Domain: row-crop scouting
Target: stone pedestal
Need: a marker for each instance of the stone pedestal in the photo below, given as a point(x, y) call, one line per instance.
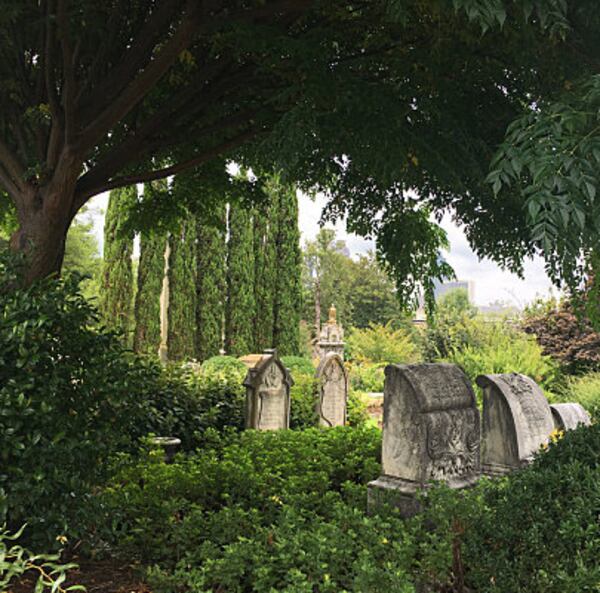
point(332, 394)
point(267, 385)
point(517, 421)
point(569, 416)
point(431, 432)
point(331, 338)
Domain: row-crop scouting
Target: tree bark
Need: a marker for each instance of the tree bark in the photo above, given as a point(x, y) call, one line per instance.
point(45, 214)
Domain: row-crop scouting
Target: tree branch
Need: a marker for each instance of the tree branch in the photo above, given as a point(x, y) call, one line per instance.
point(69, 83)
point(10, 187)
point(84, 194)
point(136, 56)
point(141, 85)
point(12, 166)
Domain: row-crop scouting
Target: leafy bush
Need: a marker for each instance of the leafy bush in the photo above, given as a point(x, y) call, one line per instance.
point(197, 505)
point(298, 365)
point(226, 365)
point(15, 561)
point(303, 394)
point(357, 414)
point(185, 402)
point(498, 348)
point(538, 530)
point(584, 390)
point(382, 344)
point(68, 400)
point(367, 377)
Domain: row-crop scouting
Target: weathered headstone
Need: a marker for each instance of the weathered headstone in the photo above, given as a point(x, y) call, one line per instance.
point(332, 391)
point(431, 431)
point(267, 385)
point(517, 421)
point(568, 416)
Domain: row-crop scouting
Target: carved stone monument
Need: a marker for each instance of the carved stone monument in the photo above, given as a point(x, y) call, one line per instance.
point(517, 421)
point(267, 385)
point(569, 416)
point(332, 391)
point(331, 338)
point(430, 432)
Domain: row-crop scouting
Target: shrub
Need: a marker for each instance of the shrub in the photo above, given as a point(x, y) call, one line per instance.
point(68, 400)
point(357, 414)
point(298, 365)
point(538, 530)
point(367, 377)
point(160, 513)
point(584, 390)
point(303, 394)
point(16, 561)
point(185, 402)
point(228, 366)
point(499, 348)
point(382, 344)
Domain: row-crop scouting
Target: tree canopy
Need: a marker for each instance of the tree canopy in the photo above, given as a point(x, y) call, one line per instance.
point(369, 101)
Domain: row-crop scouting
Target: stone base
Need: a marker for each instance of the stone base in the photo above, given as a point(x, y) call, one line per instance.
point(495, 470)
point(403, 494)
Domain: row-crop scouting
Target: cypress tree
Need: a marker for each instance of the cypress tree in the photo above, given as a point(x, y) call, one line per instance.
point(182, 292)
point(211, 286)
point(240, 308)
point(116, 289)
point(288, 269)
point(264, 270)
point(147, 299)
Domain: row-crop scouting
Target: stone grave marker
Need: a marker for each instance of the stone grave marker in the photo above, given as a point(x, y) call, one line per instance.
point(568, 416)
point(267, 385)
point(431, 431)
point(517, 421)
point(332, 393)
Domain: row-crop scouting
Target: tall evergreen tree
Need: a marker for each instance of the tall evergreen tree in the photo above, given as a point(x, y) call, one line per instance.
point(147, 299)
point(264, 274)
point(288, 269)
point(182, 292)
point(116, 291)
point(211, 286)
point(240, 309)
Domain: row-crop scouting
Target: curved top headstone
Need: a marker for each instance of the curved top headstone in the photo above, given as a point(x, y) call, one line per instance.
point(568, 416)
point(517, 421)
point(267, 385)
point(430, 425)
point(332, 390)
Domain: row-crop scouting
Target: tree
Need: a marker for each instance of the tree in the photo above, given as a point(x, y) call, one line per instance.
point(147, 299)
point(287, 300)
point(369, 100)
point(265, 262)
point(116, 291)
point(240, 308)
point(211, 285)
point(182, 292)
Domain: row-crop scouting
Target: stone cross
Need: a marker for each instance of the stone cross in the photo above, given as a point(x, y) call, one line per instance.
point(569, 416)
point(430, 432)
point(517, 421)
point(332, 391)
point(267, 385)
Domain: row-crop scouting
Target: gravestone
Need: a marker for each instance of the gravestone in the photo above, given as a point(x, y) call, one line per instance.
point(267, 385)
point(517, 421)
point(332, 391)
point(431, 431)
point(568, 416)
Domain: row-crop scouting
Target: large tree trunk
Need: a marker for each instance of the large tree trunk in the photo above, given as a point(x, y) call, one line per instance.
point(45, 214)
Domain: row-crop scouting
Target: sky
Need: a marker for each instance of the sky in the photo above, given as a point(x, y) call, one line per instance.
point(491, 284)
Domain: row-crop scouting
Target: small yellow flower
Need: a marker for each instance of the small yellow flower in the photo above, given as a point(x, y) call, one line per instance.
point(62, 539)
point(385, 540)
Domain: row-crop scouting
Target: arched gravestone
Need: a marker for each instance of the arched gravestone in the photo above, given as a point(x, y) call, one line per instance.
point(517, 421)
point(332, 390)
point(568, 416)
point(267, 385)
point(431, 431)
